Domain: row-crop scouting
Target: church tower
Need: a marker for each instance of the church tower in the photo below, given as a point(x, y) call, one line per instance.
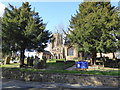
point(56, 41)
point(56, 46)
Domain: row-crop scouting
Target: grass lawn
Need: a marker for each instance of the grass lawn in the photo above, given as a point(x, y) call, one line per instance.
point(95, 72)
point(59, 67)
point(51, 65)
point(54, 60)
point(12, 65)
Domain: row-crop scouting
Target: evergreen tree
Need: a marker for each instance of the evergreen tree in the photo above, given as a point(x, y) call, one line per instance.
point(23, 29)
point(118, 32)
point(93, 28)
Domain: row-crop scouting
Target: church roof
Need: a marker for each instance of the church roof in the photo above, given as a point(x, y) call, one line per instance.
point(47, 52)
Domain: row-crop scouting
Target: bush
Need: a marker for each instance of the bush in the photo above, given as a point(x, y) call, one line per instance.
point(119, 65)
point(55, 60)
point(59, 59)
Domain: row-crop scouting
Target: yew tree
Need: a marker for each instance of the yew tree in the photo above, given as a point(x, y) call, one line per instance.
point(23, 28)
point(94, 27)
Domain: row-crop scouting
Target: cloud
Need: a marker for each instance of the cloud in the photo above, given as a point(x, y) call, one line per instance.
point(2, 7)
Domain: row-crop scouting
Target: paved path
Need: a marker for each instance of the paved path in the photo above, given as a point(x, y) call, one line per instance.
point(72, 68)
point(91, 68)
point(8, 83)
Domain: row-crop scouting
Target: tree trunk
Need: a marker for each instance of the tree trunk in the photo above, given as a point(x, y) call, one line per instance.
point(22, 57)
point(94, 54)
point(80, 55)
point(113, 55)
point(100, 54)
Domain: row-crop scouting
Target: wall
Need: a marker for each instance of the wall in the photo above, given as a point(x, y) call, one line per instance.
point(70, 57)
point(85, 80)
point(110, 55)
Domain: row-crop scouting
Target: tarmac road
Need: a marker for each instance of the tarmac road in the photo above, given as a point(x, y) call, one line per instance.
point(30, 85)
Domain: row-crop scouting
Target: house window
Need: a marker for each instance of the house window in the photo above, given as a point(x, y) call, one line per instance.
point(70, 51)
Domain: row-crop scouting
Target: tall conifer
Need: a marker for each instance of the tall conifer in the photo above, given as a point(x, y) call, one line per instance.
point(93, 28)
point(24, 29)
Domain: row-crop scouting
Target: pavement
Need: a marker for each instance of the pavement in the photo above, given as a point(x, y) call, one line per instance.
point(92, 68)
point(72, 68)
point(30, 85)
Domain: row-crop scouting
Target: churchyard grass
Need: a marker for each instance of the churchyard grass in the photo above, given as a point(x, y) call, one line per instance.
point(94, 72)
point(55, 67)
point(49, 65)
point(59, 66)
point(12, 65)
point(54, 60)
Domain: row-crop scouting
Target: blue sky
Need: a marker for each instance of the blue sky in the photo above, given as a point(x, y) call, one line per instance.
point(56, 14)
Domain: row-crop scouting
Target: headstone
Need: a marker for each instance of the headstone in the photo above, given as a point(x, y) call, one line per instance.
point(31, 61)
point(7, 60)
point(36, 63)
point(28, 61)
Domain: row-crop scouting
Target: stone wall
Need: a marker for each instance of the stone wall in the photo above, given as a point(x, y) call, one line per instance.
point(70, 57)
point(85, 80)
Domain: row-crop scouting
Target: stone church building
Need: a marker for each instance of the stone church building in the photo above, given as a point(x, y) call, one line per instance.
point(60, 49)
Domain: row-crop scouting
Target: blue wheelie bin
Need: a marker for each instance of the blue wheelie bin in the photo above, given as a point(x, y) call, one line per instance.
point(82, 65)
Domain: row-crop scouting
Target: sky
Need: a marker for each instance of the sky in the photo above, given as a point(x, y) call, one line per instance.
point(55, 14)
point(2, 7)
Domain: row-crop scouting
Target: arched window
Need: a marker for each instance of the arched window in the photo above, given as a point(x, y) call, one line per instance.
point(70, 51)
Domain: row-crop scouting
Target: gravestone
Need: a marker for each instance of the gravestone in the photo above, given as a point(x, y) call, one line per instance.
point(31, 61)
point(28, 61)
point(36, 63)
point(7, 60)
